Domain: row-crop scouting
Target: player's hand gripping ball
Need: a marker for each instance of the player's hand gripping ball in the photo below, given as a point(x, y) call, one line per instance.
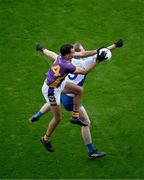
point(104, 54)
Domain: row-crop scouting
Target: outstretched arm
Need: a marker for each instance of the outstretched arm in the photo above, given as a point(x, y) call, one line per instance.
point(47, 52)
point(90, 67)
point(85, 53)
point(117, 44)
point(50, 54)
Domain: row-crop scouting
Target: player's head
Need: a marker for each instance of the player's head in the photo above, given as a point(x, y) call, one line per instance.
point(67, 51)
point(78, 47)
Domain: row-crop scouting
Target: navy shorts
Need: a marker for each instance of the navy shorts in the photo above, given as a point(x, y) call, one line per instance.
point(67, 102)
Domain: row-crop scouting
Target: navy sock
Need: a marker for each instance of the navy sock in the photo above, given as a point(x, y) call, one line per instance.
point(90, 147)
point(38, 114)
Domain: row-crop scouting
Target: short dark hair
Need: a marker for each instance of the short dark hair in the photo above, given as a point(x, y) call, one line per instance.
point(66, 49)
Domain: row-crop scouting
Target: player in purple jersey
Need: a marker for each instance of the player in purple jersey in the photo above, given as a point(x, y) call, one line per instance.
point(85, 130)
point(59, 71)
point(55, 82)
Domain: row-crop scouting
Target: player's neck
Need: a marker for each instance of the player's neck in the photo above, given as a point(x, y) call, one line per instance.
point(67, 58)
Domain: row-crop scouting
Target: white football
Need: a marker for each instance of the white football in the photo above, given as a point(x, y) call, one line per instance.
point(108, 53)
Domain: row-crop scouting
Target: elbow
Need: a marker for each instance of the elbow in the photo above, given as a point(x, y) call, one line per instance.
point(84, 72)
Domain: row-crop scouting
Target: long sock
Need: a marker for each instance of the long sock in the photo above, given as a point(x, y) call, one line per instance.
point(90, 147)
point(38, 114)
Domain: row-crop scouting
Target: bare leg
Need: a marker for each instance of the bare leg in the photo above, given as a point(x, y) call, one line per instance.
point(86, 135)
point(45, 108)
point(51, 127)
point(55, 120)
point(77, 91)
point(85, 130)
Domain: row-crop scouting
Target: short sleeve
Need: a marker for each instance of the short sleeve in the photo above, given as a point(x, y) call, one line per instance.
point(70, 68)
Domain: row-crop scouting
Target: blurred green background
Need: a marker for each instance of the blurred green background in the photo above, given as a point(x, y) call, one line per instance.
point(113, 91)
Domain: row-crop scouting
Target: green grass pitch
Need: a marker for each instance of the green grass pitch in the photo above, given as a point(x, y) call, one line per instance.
point(113, 97)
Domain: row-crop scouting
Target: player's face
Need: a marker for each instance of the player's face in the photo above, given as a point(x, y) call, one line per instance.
point(78, 47)
point(81, 48)
point(70, 55)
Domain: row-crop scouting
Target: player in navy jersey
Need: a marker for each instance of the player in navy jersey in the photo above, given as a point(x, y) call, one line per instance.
point(67, 99)
point(61, 67)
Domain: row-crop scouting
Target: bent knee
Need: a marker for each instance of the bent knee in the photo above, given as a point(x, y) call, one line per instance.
point(89, 123)
point(79, 90)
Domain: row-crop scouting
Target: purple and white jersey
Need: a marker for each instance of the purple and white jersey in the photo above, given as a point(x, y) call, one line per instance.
point(59, 70)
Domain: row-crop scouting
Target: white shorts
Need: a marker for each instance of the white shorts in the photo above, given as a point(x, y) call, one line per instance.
point(52, 95)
